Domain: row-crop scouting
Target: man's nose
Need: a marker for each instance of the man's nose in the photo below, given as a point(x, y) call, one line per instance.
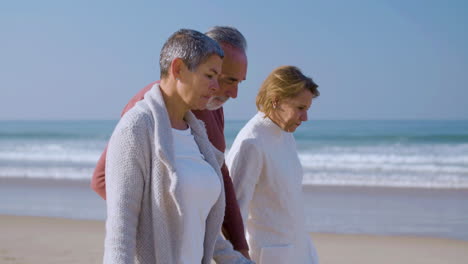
point(304, 116)
point(232, 91)
point(214, 85)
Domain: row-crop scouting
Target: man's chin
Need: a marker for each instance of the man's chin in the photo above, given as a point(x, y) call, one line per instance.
point(215, 104)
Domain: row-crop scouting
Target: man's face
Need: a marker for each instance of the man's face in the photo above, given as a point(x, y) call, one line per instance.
point(234, 71)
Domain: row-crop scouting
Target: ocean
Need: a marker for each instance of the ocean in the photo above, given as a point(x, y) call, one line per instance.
point(423, 154)
point(372, 177)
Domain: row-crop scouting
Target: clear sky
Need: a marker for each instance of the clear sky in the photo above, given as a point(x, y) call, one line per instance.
point(373, 59)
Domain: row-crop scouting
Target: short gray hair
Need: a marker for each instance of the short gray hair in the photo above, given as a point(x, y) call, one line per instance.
point(193, 47)
point(228, 35)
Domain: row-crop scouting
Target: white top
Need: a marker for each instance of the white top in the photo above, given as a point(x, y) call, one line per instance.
point(200, 188)
point(267, 177)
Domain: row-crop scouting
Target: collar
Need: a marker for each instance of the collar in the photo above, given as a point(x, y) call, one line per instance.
point(265, 121)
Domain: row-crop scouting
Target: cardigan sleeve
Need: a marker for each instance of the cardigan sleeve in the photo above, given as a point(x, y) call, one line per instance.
point(245, 163)
point(126, 165)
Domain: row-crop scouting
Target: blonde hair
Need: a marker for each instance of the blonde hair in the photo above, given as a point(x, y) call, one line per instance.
point(282, 83)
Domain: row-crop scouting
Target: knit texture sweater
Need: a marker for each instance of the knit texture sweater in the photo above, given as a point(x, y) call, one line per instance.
point(144, 217)
point(267, 177)
point(232, 228)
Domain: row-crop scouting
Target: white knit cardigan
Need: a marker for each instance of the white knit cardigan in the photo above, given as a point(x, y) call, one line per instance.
point(144, 218)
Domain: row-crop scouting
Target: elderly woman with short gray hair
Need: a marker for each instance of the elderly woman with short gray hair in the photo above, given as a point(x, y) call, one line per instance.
point(165, 195)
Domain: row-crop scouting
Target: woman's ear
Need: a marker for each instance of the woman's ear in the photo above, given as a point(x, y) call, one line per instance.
point(177, 68)
point(274, 102)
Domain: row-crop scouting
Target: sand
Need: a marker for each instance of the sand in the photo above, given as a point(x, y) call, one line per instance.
point(41, 240)
point(337, 248)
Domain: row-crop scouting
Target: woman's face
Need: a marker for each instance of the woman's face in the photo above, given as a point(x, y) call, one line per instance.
point(291, 112)
point(197, 87)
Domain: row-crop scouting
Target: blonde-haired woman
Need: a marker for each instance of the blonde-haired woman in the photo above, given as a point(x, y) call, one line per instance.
point(267, 173)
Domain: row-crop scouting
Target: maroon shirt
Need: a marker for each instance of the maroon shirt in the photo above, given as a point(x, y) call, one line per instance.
point(233, 228)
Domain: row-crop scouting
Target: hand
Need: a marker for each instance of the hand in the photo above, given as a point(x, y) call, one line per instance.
point(245, 252)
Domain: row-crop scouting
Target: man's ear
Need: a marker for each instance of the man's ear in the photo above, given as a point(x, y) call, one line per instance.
point(177, 67)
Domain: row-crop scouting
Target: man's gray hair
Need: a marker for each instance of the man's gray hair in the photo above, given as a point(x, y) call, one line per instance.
point(193, 47)
point(228, 35)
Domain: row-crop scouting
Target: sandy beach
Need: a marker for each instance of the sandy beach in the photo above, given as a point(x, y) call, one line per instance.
point(42, 240)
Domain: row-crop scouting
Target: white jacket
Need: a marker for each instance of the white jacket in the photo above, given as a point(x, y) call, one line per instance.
point(267, 177)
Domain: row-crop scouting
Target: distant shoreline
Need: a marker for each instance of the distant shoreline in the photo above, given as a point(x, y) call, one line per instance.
point(337, 209)
point(307, 186)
